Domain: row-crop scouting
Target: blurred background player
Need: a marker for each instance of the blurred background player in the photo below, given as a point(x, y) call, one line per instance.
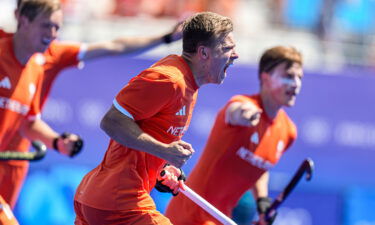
point(21, 73)
point(58, 55)
point(248, 138)
point(146, 122)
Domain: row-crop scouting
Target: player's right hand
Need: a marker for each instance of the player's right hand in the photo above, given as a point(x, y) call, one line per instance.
point(68, 144)
point(170, 179)
point(243, 114)
point(178, 153)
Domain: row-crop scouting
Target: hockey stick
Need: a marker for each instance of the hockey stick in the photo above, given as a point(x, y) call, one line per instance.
point(39, 153)
point(197, 199)
point(206, 206)
point(307, 167)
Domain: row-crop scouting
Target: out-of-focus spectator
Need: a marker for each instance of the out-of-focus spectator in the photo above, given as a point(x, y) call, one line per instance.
point(127, 7)
point(173, 8)
point(276, 7)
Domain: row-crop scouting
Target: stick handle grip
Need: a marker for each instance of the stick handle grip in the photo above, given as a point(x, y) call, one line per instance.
point(207, 206)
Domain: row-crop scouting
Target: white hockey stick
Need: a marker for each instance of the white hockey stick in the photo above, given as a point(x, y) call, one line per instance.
point(207, 206)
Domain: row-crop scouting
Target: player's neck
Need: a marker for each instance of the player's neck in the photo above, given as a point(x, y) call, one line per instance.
point(195, 69)
point(20, 49)
point(270, 106)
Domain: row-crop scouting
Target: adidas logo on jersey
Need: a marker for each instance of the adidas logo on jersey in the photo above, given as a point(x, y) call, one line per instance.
point(255, 138)
point(5, 83)
point(182, 111)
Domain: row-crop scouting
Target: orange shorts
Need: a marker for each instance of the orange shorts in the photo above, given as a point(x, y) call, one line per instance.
point(86, 215)
point(11, 180)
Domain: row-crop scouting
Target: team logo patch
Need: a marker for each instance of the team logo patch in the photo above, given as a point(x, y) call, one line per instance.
point(40, 59)
point(32, 89)
point(280, 148)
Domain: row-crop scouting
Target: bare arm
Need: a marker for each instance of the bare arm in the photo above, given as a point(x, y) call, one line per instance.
point(40, 130)
point(261, 186)
point(125, 131)
point(126, 45)
point(242, 114)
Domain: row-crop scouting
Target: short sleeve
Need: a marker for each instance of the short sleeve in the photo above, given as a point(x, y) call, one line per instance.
point(143, 98)
point(64, 54)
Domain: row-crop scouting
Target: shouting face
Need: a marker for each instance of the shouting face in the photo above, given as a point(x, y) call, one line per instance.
point(221, 57)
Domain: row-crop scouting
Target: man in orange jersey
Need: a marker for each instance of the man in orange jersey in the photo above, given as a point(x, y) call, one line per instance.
point(58, 56)
point(248, 138)
point(146, 122)
point(21, 73)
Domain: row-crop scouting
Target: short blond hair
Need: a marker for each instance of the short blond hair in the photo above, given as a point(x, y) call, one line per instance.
point(32, 8)
point(204, 29)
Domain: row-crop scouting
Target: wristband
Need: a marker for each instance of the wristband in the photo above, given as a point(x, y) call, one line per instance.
point(54, 143)
point(167, 38)
point(77, 147)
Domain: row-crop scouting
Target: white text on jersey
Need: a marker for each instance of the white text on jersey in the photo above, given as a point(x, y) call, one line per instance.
point(176, 131)
point(13, 105)
point(253, 159)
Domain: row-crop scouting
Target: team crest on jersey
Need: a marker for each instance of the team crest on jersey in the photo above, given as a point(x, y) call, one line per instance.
point(280, 148)
point(40, 59)
point(32, 90)
point(255, 138)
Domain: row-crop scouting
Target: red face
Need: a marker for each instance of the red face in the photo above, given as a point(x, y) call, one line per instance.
point(284, 84)
point(40, 32)
point(222, 56)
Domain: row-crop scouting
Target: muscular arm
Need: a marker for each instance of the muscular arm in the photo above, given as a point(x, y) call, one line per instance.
point(242, 114)
point(127, 45)
point(125, 131)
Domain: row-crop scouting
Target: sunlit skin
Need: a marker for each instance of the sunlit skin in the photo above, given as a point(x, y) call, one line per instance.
point(281, 86)
point(222, 56)
point(36, 35)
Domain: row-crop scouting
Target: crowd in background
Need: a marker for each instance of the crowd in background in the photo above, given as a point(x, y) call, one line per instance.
point(332, 33)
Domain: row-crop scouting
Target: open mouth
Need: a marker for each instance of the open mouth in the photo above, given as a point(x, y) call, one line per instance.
point(291, 93)
point(46, 41)
point(227, 66)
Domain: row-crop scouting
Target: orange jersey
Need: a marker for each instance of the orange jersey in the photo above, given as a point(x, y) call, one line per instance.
point(161, 100)
point(19, 90)
point(58, 56)
point(233, 160)
point(4, 34)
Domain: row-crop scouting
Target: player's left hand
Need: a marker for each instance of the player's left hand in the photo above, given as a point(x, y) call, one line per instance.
point(170, 179)
point(68, 144)
point(263, 204)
